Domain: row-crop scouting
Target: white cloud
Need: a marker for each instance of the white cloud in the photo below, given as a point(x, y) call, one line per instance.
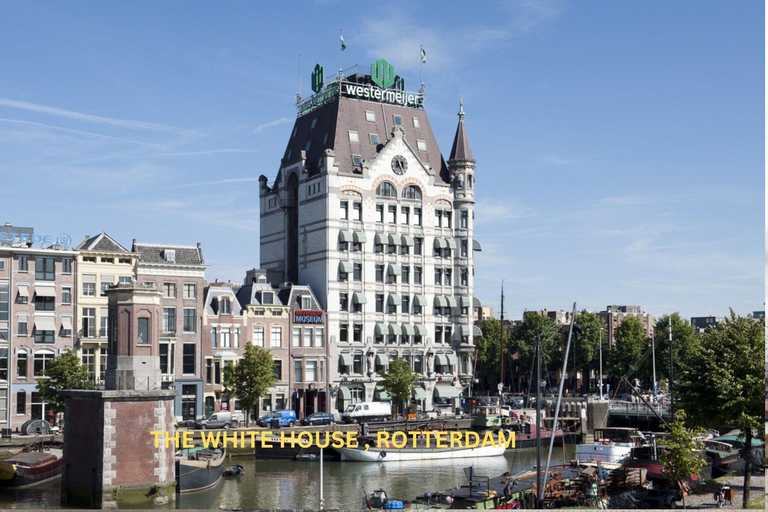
point(276, 122)
point(79, 116)
point(490, 211)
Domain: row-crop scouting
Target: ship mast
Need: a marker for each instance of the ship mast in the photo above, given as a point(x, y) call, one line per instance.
point(501, 352)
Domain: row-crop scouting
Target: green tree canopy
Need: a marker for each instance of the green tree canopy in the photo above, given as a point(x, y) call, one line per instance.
point(64, 372)
point(683, 340)
point(399, 380)
point(679, 458)
point(629, 347)
point(586, 344)
point(249, 378)
point(523, 340)
point(487, 364)
point(723, 377)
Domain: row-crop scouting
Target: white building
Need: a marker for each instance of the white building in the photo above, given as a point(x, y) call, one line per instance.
point(365, 210)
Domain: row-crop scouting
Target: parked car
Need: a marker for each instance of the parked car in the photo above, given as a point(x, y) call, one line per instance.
point(318, 418)
point(264, 420)
point(367, 411)
point(221, 419)
point(283, 418)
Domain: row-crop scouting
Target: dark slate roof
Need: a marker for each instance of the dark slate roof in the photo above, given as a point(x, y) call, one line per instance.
point(101, 242)
point(153, 253)
point(344, 114)
point(461, 149)
point(249, 294)
point(291, 295)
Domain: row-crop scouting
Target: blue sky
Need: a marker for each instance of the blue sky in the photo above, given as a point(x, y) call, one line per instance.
point(619, 146)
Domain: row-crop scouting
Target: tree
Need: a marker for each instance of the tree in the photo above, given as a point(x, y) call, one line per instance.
point(683, 340)
point(64, 372)
point(679, 458)
point(629, 347)
point(522, 342)
point(487, 364)
point(249, 378)
point(399, 380)
point(587, 344)
point(722, 380)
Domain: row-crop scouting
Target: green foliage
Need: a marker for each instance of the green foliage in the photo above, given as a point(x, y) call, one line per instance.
point(249, 378)
point(587, 344)
point(683, 340)
point(523, 339)
point(487, 364)
point(629, 347)
point(399, 380)
point(723, 377)
point(679, 457)
point(64, 372)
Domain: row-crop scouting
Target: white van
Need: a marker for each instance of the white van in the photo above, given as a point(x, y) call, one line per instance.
point(367, 411)
point(217, 420)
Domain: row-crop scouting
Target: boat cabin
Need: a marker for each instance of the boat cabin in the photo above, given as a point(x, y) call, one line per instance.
point(619, 435)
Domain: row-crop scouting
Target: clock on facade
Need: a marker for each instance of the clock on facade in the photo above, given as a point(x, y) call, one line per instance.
point(399, 164)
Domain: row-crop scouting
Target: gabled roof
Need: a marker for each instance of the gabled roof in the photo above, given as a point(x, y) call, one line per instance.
point(249, 294)
point(155, 253)
point(461, 149)
point(217, 292)
point(334, 121)
point(290, 296)
point(101, 242)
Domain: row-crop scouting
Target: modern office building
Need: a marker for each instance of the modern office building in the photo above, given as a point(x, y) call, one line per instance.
point(365, 210)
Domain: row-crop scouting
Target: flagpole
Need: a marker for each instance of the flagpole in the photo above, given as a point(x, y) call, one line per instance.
point(421, 66)
point(341, 52)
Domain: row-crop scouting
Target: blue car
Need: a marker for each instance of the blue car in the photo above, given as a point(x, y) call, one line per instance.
point(318, 418)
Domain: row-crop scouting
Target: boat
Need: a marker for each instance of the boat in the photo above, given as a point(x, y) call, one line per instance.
point(386, 453)
point(199, 468)
point(612, 444)
point(32, 466)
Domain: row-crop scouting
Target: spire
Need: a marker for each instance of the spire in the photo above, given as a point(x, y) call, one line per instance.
point(461, 149)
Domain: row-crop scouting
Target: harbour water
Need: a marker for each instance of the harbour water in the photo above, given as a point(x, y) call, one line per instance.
point(272, 484)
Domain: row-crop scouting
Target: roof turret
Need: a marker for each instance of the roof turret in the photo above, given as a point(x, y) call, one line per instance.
point(461, 149)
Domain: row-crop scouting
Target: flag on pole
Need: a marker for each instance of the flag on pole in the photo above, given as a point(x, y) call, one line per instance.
point(423, 55)
point(343, 44)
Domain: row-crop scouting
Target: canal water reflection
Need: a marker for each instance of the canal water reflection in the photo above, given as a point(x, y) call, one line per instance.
point(272, 484)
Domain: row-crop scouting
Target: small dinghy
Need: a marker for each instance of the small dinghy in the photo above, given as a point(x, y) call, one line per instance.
point(232, 471)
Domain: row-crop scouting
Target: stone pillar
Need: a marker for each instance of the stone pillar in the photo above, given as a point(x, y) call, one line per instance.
point(597, 414)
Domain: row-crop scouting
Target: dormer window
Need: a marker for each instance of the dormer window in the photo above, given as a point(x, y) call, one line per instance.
point(374, 138)
point(267, 298)
point(295, 129)
point(370, 116)
point(288, 154)
point(353, 137)
point(169, 255)
point(225, 307)
point(325, 138)
point(416, 123)
point(306, 303)
point(422, 145)
point(398, 120)
point(314, 123)
point(309, 145)
point(357, 160)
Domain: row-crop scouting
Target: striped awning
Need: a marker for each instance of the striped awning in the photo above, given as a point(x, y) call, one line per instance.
point(346, 359)
point(451, 242)
point(380, 329)
point(452, 359)
point(419, 394)
point(440, 301)
point(441, 359)
point(440, 243)
point(345, 236)
point(380, 239)
point(346, 394)
point(45, 323)
point(465, 301)
point(408, 330)
point(382, 359)
point(346, 267)
point(394, 298)
point(476, 246)
point(360, 237)
point(394, 269)
point(419, 300)
point(393, 240)
point(451, 302)
point(45, 291)
point(477, 332)
point(407, 240)
point(359, 298)
point(446, 391)
point(66, 323)
point(381, 396)
point(23, 290)
point(421, 330)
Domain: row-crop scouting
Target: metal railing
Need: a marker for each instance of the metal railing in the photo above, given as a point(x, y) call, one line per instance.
point(638, 409)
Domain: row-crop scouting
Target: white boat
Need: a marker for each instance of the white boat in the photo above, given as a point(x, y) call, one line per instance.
point(612, 445)
point(374, 454)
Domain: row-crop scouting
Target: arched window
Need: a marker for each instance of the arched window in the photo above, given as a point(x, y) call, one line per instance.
point(386, 189)
point(412, 192)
